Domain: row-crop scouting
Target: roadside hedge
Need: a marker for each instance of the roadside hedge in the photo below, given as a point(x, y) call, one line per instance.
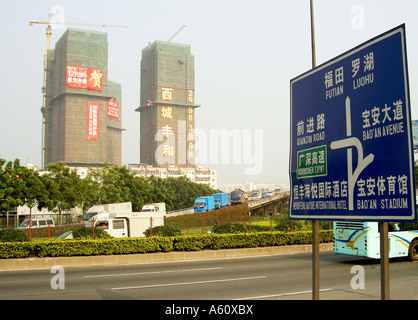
point(66, 248)
point(92, 247)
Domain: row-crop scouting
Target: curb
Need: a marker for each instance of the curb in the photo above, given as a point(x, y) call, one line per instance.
point(40, 263)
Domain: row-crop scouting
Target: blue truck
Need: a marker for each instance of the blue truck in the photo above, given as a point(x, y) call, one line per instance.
point(203, 204)
point(221, 200)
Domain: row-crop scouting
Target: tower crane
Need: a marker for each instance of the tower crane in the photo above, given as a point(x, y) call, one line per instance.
point(177, 32)
point(45, 145)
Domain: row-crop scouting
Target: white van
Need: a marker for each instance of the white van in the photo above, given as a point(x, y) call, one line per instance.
point(37, 223)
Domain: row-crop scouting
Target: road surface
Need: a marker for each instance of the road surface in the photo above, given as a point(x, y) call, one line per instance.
point(277, 277)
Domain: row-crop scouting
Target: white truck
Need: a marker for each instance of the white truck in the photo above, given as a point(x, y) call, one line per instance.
point(130, 224)
point(154, 207)
point(108, 208)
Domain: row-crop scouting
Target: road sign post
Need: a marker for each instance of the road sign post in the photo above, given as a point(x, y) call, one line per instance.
point(351, 151)
point(315, 224)
point(384, 261)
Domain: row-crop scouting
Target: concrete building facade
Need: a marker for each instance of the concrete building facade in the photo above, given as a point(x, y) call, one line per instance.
point(206, 176)
point(167, 105)
point(82, 123)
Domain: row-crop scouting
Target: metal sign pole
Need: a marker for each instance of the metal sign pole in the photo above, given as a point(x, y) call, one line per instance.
point(384, 260)
point(315, 260)
point(315, 223)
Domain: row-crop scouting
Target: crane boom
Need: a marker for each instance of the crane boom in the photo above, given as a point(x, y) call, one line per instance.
point(32, 22)
point(177, 32)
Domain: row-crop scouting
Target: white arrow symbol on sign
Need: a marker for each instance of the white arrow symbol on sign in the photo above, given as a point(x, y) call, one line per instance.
point(361, 163)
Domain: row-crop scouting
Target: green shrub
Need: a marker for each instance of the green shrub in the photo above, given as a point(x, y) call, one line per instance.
point(233, 240)
point(86, 247)
point(12, 235)
point(257, 228)
point(10, 250)
point(87, 233)
point(163, 231)
point(192, 243)
point(89, 247)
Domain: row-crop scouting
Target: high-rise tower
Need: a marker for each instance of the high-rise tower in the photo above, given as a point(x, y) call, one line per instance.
point(83, 122)
point(167, 105)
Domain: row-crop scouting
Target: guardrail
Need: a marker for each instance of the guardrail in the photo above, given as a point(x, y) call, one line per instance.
point(251, 205)
point(180, 212)
point(261, 202)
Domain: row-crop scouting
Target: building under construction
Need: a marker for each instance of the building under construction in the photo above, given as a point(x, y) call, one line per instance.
point(82, 120)
point(167, 107)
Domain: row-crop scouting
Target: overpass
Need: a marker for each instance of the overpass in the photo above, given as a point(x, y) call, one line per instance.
point(266, 206)
point(269, 205)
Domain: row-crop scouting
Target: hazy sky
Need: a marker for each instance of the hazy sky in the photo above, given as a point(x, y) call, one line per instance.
point(246, 52)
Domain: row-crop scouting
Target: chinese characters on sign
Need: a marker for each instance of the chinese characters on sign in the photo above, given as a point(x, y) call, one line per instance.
point(167, 94)
point(312, 162)
point(334, 78)
point(167, 112)
point(313, 132)
point(95, 81)
point(112, 109)
point(168, 150)
point(167, 131)
point(333, 195)
point(84, 78)
point(383, 121)
point(93, 120)
point(351, 154)
point(177, 127)
point(366, 75)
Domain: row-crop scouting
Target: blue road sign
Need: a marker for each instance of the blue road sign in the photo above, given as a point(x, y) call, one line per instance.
point(351, 152)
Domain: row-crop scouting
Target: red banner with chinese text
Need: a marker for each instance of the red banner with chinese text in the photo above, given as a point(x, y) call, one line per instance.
point(113, 109)
point(84, 78)
point(93, 120)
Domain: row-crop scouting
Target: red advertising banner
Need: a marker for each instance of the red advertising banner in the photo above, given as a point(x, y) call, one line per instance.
point(113, 109)
point(84, 78)
point(93, 120)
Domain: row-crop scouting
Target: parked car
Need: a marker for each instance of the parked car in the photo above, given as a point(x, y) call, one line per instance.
point(66, 235)
point(37, 223)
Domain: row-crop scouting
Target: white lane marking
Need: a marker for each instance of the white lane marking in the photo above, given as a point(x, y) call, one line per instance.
point(282, 294)
point(188, 283)
point(150, 272)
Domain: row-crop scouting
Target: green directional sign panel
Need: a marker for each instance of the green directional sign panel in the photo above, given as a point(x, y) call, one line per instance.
point(312, 162)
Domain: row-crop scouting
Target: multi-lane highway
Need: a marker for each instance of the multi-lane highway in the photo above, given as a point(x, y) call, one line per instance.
point(250, 278)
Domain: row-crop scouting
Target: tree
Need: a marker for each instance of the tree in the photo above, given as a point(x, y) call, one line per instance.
point(34, 190)
point(11, 185)
point(87, 192)
point(62, 189)
point(48, 201)
point(65, 190)
point(113, 182)
point(21, 186)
